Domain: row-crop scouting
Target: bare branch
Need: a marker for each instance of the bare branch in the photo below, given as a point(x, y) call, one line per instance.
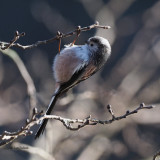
point(8, 137)
point(78, 30)
point(26, 76)
point(37, 118)
point(17, 35)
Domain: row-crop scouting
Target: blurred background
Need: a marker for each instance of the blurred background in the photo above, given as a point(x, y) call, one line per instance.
point(131, 76)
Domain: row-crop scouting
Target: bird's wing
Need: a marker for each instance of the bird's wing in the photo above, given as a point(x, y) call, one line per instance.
point(77, 75)
point(91, 69)
point(82, 73)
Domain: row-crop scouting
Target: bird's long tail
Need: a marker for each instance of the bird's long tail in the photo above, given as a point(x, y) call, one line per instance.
point(48, 112)
point(62, 89)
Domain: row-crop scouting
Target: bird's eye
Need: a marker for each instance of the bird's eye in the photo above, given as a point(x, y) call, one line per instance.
point(91, 44)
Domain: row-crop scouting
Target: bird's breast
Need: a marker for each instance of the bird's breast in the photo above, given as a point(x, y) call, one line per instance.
point(65, 64)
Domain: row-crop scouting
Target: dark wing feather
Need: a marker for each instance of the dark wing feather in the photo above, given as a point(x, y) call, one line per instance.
point(91, 69)
point(64, 87)
point(81, 74)
point(76, 77)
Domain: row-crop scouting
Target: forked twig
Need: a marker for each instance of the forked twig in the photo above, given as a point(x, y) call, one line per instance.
point(78, 30)
point(17, 35)
point(37, 117)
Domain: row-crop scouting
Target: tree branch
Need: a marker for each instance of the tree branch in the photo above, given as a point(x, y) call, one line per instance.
point(17, 35)
point(78, 30)
point(26, 76)
point(37, 117)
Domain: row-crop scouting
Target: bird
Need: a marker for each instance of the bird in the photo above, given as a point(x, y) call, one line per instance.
point(74, 64)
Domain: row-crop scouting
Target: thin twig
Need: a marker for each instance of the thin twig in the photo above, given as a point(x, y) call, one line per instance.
point(5, 45)
point(17, 35)
point(26, 76)
point(37, 117)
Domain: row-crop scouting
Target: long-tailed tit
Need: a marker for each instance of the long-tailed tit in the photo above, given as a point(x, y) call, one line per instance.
point(75, 64)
